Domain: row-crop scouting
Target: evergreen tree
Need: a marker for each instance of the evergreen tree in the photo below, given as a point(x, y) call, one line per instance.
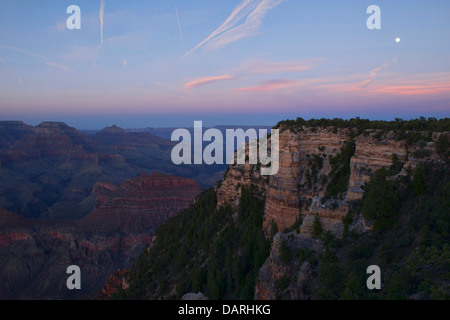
point(353, 289)
point(419, 183)
point(317, 227)
point(380, 203)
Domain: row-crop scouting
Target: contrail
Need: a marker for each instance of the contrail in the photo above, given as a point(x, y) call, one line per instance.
point(179, 24)
point(250, 13)
point(25, 52)
point(102, 10)
point(37, 55)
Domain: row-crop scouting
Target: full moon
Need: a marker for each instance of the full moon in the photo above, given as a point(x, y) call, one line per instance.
point(397, 40)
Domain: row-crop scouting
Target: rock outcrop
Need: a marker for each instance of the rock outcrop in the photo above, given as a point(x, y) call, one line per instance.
point(194, 296)
point(370, 155)
point(299, 189)
point(304, 168)
point(113, 285)
point(298, 193)
point(278, 280)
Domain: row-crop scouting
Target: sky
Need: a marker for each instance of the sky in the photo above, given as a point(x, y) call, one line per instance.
point(159, 63)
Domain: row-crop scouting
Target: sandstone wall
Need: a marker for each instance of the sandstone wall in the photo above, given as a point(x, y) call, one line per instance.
point(298, 189)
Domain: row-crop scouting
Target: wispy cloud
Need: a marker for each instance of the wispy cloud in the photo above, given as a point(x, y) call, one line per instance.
point(206, 80)
point(39, 56)
point(101, 15)
point(80, 54)
point(253, 11)
point(373, 73)
point(414, 90)
point(179, 24)
point(57, 65)
point(422, 84)
point(272, 85)
point(24, 52)
point(258, 67)
point(270, 67)
point(392, 85)
point(2, 61)
point(19, 79)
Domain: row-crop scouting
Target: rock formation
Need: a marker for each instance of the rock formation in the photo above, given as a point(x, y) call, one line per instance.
point(49, 171)
point(299, 187)
point(298, 192)
point(35, 254)
point(296, 275)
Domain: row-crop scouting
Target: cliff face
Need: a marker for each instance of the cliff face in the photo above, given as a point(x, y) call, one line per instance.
point(370, 155)
point(236, 177)
point(37, 253)
point(299, 189)
point(304, 166)
point(143, 203)
point(301, 178)
point(374, 152)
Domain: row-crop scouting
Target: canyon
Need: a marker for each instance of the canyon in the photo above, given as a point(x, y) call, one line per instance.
point(35, 253)
point(320, 187)
point(48, 171)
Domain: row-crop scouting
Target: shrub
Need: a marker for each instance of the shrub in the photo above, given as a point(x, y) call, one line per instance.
point(317, 227)
point(380, 202)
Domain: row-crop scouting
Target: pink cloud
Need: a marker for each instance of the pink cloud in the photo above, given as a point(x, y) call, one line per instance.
point(267, 67)
point(414, 90)
point(207, 80)
point(272, 85)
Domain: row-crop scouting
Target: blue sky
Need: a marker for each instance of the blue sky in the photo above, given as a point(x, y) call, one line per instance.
point(170, 62)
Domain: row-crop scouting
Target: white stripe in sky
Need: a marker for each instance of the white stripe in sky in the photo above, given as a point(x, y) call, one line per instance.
point(253, 11)
point(179, 24)
point(37, 55)
point(101, 14)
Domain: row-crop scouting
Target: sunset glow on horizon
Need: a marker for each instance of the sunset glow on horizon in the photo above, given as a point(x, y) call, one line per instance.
point(223, 60)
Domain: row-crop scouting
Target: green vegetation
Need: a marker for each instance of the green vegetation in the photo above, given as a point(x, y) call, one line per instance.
point(317, 227)
point(419, 183)
point(443, 146)
point(421, 153)
point(204, 249)
point(414, 255)
point(359, 126)
point(396, 166)
point(285, 254)
point(296, 225)
point(381, 204)
point(340, 170)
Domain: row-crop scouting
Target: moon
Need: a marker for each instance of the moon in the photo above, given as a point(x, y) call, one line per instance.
point(397, 40)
